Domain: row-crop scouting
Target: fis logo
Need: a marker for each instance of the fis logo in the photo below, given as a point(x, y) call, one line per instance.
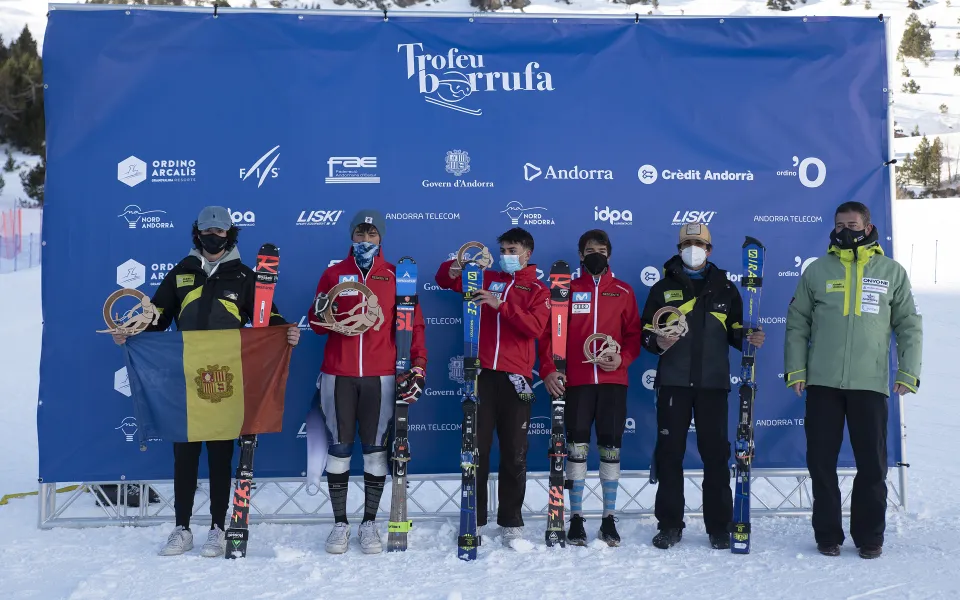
point(261, 174)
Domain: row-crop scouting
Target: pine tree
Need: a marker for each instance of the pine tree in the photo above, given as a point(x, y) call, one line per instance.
point(780, 4)
point(921, 164)
point(915, 132)
point(943, 109)
point(33, 181)
point(10, 165)
point(911, 87)
point(913, 5)
point(846, 2)
point(936, 162)
point(905, 72)
point(956, 70)
point(25, 44)
point(916, 42)
point(4, 51)
point(21, 95)
point(867, 5)
point(905, 171)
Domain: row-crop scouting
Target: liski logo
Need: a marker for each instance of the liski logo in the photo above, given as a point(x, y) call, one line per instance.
point(128, 427)
point(458, 162)
point(121, 382)
point(526, 216)
point(148, 219)
point(649, 276)
point(694, 216)
point(131, 274)
point(319, 217)
point(448, 79)
point(268, 171)
point(455, 368)
point(614, 217)
point(352, 169)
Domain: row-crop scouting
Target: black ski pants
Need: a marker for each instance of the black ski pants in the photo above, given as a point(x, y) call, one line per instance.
point(500, 409)
point(866, 417)
point(674, 408)
point(186, 466)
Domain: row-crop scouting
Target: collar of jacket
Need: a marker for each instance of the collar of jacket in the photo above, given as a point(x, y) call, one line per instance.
point(228, 262)
point(863, 253)
point(674, 267)
point(378, 261)
point(528, 273)
point(605, 279)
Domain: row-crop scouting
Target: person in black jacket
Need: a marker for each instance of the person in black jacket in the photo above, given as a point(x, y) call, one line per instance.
point(693, 375)
point(209, 289)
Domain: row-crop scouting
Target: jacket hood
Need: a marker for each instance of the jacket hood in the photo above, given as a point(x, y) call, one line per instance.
point(233, 254)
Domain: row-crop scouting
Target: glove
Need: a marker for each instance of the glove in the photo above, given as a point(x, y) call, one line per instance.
point(320, 304)
point(410, 384)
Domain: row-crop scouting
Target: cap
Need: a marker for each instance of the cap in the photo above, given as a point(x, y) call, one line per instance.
point(370, 216)
point(214, 216)
point(695, 231)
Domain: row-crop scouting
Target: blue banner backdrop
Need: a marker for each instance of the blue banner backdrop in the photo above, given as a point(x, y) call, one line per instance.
point(458, 129)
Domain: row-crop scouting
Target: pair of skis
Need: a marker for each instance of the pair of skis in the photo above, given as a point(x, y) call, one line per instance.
point(237, 534)
point(468, 540)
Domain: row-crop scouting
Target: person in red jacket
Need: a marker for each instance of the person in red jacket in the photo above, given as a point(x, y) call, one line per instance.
point(357, 378)
point(515, 307)
point(595, 393)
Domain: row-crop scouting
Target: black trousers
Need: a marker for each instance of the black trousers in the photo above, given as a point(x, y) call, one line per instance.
point(186, 465)
point(500, 409)
point(674, 407)
point(605, 405)
point(866, 417)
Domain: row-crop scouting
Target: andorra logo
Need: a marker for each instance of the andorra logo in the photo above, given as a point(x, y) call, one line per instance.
point(448, 79)
point(214, 383)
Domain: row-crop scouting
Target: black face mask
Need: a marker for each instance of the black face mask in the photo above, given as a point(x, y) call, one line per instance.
point(213, 243)
point(848, 239)
point(595, 263)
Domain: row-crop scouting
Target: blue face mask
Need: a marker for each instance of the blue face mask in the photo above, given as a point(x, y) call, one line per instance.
point(364, 252)
point(510, 263)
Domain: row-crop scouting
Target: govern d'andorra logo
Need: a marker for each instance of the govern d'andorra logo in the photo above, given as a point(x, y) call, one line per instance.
point(448, 79)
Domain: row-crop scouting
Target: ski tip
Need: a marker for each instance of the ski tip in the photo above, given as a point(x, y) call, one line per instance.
point(752, 241)
point(406, 259)
point(560, 265)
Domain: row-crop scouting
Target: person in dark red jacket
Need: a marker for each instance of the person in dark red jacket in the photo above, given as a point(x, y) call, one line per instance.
point(515, 307)
point(602, 304)
point(357, 378)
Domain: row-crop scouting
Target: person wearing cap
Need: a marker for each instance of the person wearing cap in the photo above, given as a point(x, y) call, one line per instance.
point(357, 383)
point(837, 349)
point(209, 289)
point(693, 380)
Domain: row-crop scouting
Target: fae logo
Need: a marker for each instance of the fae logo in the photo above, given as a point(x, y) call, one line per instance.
point(647, 174)
point(614, 217)
point(446, 80)
point(131, 274)
point(121, 383)
point(531, 172)
point(148, 219)
point(694, 216)
point(649, 276)
point(319, 217)
point(649, 378)
point(131, 171)
point(526, 216)
point(352, 169)
point(268, 171)
point(241, 218)
point(801, 170)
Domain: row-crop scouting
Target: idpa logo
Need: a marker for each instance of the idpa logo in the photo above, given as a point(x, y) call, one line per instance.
point(242, 218)
point(613, 217)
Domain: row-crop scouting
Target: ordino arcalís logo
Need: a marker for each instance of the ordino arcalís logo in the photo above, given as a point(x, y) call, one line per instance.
point(133, 171)
point(449, 80)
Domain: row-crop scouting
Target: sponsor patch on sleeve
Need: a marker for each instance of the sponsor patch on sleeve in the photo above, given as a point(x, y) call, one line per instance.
point(673, 296)
point(185, 280)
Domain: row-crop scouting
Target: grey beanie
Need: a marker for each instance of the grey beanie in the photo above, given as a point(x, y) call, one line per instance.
point(370, 216)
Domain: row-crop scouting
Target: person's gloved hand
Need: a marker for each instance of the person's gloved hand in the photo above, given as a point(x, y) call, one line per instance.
point(410, 384)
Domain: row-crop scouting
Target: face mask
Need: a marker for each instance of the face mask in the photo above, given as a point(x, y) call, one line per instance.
point(510, 263)
point(595, 263)
point(213, 243)
point(693, 256)
point(847, 238)
point(364, 253)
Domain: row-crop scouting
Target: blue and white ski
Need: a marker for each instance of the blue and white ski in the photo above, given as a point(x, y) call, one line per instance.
point(751, 282)
point(468, 540)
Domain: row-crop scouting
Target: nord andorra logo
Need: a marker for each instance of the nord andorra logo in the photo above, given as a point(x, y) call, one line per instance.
point(449, 79)
point(146, 219)
point(521, 215)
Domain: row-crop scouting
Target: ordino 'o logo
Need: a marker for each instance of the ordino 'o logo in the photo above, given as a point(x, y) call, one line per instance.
point(647, 174)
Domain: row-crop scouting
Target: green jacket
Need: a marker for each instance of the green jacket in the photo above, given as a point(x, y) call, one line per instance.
point(840, 319)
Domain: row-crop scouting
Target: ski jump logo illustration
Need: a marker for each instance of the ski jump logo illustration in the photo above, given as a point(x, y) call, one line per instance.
point(448, 79)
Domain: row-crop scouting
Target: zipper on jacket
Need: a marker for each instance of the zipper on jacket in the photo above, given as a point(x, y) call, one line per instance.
point(364, 310)
point(596, 309)
point(496, 353)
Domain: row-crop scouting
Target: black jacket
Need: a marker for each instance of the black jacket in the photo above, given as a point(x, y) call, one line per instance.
point(700, 359)
point(195, 301)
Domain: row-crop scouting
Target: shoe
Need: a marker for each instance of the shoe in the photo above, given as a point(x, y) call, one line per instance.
point(339, 538)
point(608, 531)
point(510, 534)
point(180, 541)
point(829, 549)
point(871, 551)
point(216, 543)
point(667, 538)
point(577, 536)
point(370, 538)
point(720, 541)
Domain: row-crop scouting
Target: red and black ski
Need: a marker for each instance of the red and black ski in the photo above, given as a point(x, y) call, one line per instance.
point(559, 306)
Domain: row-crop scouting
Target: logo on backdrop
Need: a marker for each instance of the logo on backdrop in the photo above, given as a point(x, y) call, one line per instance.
point(648, 174)
point(649, 378)
point(131, 274)
point(352, 169)
point(694, 216)
point(613, 217)
point(787, 219)
point(539, 426)
point(457, 164)
point(442, 320)
point(532, 171)
point(649, 276)
point(449, 80)
point(159, 271)
point(520, 215)
point(455, 368)
point(132, 171)
point(798, 263)
point(128, 427)
point(242, 218)
point(121, 382)
point(147, 219)
point(802, 169)
point(319, 217)
point(260, 173)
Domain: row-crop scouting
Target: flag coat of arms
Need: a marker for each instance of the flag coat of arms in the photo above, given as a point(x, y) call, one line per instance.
point(190, 386)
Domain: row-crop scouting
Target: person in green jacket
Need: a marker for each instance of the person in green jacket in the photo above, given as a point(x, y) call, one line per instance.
point(837, 348)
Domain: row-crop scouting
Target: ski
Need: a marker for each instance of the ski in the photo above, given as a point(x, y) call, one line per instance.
point(468, 540)
point(751, 282)
point(557, 452)
point(267, 273)
point(398, 527)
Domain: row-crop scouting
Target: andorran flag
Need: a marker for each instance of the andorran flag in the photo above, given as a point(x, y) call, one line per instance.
point(191, 386)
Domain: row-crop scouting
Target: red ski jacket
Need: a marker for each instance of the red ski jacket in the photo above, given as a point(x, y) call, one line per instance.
point(508, 334)
point(372, 352)
point(609, 307)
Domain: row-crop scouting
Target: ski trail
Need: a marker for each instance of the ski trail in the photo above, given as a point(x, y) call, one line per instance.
point(876, 591)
